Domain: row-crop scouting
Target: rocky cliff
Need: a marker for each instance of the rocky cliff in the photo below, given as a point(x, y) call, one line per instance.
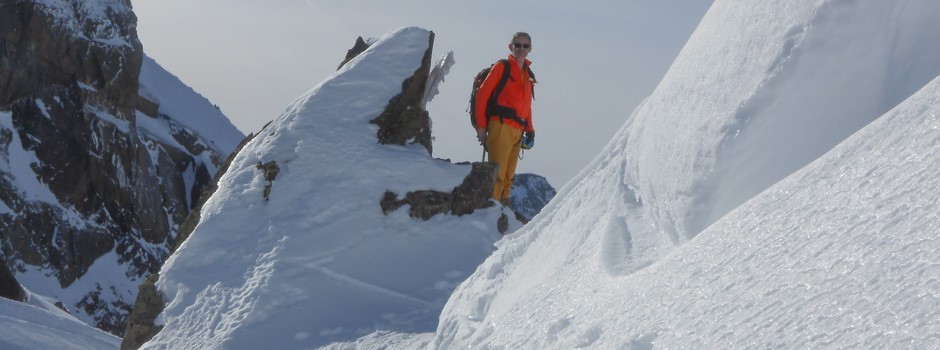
point(96, 170)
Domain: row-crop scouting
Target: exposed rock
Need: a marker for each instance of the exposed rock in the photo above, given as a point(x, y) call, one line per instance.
point(502, 224)
point(59, 43)
point(269, 170)
point(530, 193)
point(69, 79)
point(357, 49)
point(473, 193)
point(404, 121)
point(140, 322)
point(9, 287)
point(148, 107)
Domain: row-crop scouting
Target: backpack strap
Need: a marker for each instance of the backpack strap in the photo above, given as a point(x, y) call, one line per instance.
point(531, 80)
point(491, 103)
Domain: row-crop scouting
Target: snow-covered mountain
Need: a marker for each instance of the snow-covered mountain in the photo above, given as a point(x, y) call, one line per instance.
point(102, 155)
point(777, 190)
point(318, 233)
point(720, 216)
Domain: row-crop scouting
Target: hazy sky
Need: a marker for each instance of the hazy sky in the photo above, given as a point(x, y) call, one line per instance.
point(594, 61)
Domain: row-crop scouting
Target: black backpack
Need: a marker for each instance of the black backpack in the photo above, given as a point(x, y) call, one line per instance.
point(491, 107)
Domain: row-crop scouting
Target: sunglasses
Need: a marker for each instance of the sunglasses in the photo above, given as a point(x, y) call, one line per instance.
point(524, 46)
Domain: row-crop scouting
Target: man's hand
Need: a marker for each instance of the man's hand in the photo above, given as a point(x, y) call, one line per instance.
point(528, 140)
point(481, 136)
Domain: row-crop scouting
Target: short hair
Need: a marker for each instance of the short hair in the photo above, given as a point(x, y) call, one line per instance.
point(522, 34)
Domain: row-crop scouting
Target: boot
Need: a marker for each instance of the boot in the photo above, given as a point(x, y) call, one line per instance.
point(506, 203)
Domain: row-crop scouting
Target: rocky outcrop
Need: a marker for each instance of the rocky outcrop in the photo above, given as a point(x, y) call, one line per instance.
point(96, 182)
point(357, 49)
point(473, 193)
point(140, 322)
point(530, 193)
point(9, 287)
point(404, 121)
point(60, 43)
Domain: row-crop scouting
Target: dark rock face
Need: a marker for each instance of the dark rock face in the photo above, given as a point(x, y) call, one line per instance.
point(69, 81)
point(357, 49)
point(530, 193)
point(404, 121)
point(48, 44)
point(140, 322)
point(473, 193)
point(9, 287)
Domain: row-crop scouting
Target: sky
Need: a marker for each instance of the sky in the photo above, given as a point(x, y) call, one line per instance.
point(595, 61)
point(837, 248)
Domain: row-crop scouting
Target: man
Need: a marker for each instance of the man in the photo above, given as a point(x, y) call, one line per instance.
point(502, 121)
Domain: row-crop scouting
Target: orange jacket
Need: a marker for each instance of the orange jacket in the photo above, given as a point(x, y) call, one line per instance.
point(517, 94)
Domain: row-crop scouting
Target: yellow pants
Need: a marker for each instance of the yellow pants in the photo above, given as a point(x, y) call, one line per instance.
point(503, 143)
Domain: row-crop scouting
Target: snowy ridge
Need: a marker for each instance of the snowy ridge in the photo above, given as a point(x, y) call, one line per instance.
point(842, 254)
point(318, 261)
point(766, 89)
point(761, 90)
point(185, 106)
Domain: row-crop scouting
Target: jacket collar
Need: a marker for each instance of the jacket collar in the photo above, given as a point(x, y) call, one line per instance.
point(512, 59)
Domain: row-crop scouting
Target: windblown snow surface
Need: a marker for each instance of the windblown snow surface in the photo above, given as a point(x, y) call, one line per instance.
point(318, 261)
point(721, 216)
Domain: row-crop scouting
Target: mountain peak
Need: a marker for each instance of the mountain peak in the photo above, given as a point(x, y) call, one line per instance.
point(311, 254)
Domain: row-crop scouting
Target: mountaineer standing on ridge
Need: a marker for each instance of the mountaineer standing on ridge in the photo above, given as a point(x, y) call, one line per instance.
point(501, 111)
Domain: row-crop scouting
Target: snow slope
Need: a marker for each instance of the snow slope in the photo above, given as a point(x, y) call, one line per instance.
point(841, 254)
point(318, 261)
point(187, 107)
point(28, 327)
point(763, 89)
